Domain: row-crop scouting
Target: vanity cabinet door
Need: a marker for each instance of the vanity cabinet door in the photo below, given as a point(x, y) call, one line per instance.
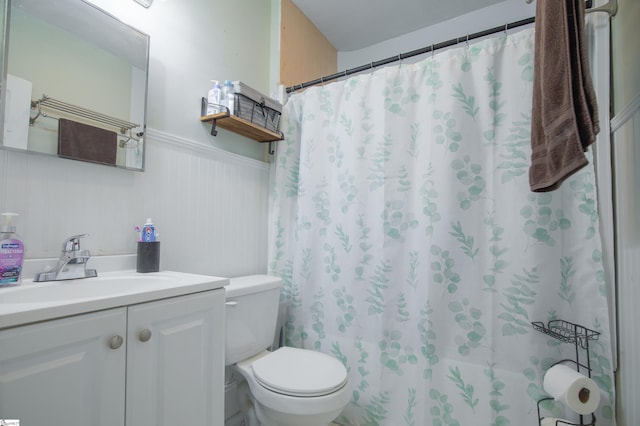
point(68, 371)
point(175, 361)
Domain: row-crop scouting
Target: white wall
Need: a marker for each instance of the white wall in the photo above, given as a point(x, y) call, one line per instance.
point(208, 196)
point(193, 42)
point(625, 127)
point(480, 20)
point(625, 54)
point(209, 205)
point(626, 140)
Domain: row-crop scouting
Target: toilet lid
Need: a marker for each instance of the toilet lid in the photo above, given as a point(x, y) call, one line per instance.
point(300, 372)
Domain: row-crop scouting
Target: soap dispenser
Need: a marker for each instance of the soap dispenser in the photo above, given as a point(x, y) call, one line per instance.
point(11, 252)
point(214, 98)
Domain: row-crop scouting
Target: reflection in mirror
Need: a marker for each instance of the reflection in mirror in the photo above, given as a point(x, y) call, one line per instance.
point(76, 83)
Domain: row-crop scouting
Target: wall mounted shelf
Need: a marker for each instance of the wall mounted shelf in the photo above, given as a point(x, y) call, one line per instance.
point(242, 127)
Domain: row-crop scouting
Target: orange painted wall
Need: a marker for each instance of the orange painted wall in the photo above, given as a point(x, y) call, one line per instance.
point(305, 53)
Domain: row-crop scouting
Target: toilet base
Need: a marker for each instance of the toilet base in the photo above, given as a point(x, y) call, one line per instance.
point(269, 417)
point(276, 409)
point(255, 414)
point(235, 420)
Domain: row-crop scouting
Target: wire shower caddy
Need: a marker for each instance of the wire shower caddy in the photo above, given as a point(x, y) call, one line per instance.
point(579, 336)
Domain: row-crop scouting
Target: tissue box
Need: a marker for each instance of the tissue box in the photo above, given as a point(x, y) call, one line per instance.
point(256, 108)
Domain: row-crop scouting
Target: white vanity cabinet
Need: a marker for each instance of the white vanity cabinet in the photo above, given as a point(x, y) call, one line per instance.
point(63, 372)
point(175, 361)
point(158, 363)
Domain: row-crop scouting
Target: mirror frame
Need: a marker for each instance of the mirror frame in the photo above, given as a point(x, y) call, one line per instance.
point(118, 35)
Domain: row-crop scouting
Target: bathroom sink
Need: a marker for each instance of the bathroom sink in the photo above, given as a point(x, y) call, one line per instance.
point(88, 288)
point(34, 301)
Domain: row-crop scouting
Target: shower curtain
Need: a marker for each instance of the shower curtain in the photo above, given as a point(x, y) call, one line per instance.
point(412, 250)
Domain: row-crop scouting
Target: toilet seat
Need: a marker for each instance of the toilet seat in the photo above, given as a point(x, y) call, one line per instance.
point(299, 372)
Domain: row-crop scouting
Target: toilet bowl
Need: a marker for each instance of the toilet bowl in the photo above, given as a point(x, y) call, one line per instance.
point(296, 387)
point(289, 386)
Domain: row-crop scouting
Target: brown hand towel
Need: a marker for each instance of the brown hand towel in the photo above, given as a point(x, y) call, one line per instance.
point(84, 142)
point(587, 108)
point(564, 111)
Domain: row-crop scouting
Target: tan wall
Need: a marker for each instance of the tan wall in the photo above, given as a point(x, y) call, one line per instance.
point(305, 54)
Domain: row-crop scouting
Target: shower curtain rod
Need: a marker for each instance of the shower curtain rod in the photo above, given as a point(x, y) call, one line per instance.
point(610, 7)
point(410, 54)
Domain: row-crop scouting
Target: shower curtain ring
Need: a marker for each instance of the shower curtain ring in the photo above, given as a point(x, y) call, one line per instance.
point(467, 41)
point(400, 58)
point(433, 48)
point(506, 28)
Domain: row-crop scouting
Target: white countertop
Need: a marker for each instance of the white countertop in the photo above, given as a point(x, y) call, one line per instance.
point(34, 302)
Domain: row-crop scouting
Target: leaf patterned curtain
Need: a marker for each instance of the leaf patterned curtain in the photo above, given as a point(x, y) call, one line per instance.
point(412, 250)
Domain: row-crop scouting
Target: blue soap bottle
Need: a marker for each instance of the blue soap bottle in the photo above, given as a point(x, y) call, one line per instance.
point(11, 252)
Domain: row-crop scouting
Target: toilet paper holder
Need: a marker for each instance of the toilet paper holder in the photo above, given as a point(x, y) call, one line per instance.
point(580, 336)
point(562, 422)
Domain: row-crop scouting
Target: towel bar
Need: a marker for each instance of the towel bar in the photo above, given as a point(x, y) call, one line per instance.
point(611, 7)
point(61, 106)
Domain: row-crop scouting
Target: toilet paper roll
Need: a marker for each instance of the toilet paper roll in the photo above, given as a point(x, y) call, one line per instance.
point(552, 421)
point(576, 391)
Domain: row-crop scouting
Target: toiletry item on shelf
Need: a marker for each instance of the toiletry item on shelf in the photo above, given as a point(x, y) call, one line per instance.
point(229, 96)
point(214, 97)
point(223, 94)
point(149, 232)
point(11, 252)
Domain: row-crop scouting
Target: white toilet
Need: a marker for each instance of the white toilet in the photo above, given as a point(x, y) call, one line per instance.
point(289, 386)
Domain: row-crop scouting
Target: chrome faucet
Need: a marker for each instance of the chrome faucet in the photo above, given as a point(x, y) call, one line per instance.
point(72, 263)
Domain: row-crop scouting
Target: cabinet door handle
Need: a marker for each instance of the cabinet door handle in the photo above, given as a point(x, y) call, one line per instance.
point(115, 342)
point(232, 303)
point(144, 335)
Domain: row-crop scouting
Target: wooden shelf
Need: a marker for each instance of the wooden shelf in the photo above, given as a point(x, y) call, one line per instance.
point(241, 127)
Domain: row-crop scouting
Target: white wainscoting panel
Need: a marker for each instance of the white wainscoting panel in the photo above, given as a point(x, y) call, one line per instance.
point(210, 206)
point(626, 146)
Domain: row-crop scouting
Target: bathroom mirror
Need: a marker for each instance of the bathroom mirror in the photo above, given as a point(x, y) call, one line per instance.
point(74, 82)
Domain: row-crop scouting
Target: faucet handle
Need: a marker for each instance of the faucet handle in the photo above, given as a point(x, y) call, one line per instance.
point(72, 243)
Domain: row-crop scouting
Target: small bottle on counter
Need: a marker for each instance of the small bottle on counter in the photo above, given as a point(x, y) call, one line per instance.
point(11, 252)
point(149, 232)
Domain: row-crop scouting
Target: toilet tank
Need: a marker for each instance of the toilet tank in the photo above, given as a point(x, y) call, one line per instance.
point(251, 313)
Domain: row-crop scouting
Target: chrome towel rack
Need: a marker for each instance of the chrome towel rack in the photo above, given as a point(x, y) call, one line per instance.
point(54, 104)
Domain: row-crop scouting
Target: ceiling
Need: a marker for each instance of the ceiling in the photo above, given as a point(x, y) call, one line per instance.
point(355, 24)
